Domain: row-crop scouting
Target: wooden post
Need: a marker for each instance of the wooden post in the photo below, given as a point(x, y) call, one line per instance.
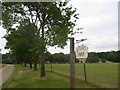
point(72, 64)
point(118, 41)
point(85, 73)
point(51, 67)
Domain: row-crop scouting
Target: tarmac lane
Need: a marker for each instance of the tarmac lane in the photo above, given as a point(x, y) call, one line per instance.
point(5, 73)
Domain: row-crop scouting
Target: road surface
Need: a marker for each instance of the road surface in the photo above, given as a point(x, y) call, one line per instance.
point(5, 73)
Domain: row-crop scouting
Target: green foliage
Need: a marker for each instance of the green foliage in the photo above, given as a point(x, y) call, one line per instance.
point(112, 56)
point(6, 59)
point(54, 18)
point(23, 44)
point(48, 57)
point(92, 58)
point(58, 58)
point(103, 60)
point(61, 58)
point(51, 19)
point(11, 15)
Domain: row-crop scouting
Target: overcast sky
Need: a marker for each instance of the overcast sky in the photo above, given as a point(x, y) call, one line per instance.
point(99, 20)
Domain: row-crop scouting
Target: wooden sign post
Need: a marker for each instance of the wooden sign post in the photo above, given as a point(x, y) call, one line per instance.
point(51, 67)
point(85, 73)
point(81, 55)
point(0, 57)
point(72, 64)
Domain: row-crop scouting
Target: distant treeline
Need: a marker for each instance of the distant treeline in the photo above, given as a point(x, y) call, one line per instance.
point(112, 56)
point(93, 57)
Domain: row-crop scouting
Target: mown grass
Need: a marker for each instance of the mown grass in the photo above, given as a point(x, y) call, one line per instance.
point(102, 74)
point(24, 77)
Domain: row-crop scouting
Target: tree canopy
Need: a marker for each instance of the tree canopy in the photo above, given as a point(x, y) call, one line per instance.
point(52, 23)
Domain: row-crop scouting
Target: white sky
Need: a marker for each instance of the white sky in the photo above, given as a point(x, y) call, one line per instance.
point(99, 20)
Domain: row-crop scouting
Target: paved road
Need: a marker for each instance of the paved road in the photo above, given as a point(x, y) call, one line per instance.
point(5, 73)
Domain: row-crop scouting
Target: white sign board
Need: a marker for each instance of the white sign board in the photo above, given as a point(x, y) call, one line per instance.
point(81, 52)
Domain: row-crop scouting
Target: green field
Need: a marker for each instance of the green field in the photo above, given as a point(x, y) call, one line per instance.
point(101, 74)
point(98, 75)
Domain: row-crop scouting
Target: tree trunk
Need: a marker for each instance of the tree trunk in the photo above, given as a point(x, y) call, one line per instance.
point(35, 65)
point(30, 64)
point(72, 64)
point(43, 53)
point(43, 64)
point(25, 64)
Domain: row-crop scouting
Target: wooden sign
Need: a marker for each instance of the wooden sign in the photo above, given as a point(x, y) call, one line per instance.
point(81, 52)
point(81, 55)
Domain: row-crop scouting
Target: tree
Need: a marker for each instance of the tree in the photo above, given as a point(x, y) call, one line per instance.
point(53, 21)
point(7, 59)
point(23, 44)
point(92, 58)
point(48, 57)
point(109, 55)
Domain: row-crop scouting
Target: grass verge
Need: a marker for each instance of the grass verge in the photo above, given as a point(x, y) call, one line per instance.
point(24, 77)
